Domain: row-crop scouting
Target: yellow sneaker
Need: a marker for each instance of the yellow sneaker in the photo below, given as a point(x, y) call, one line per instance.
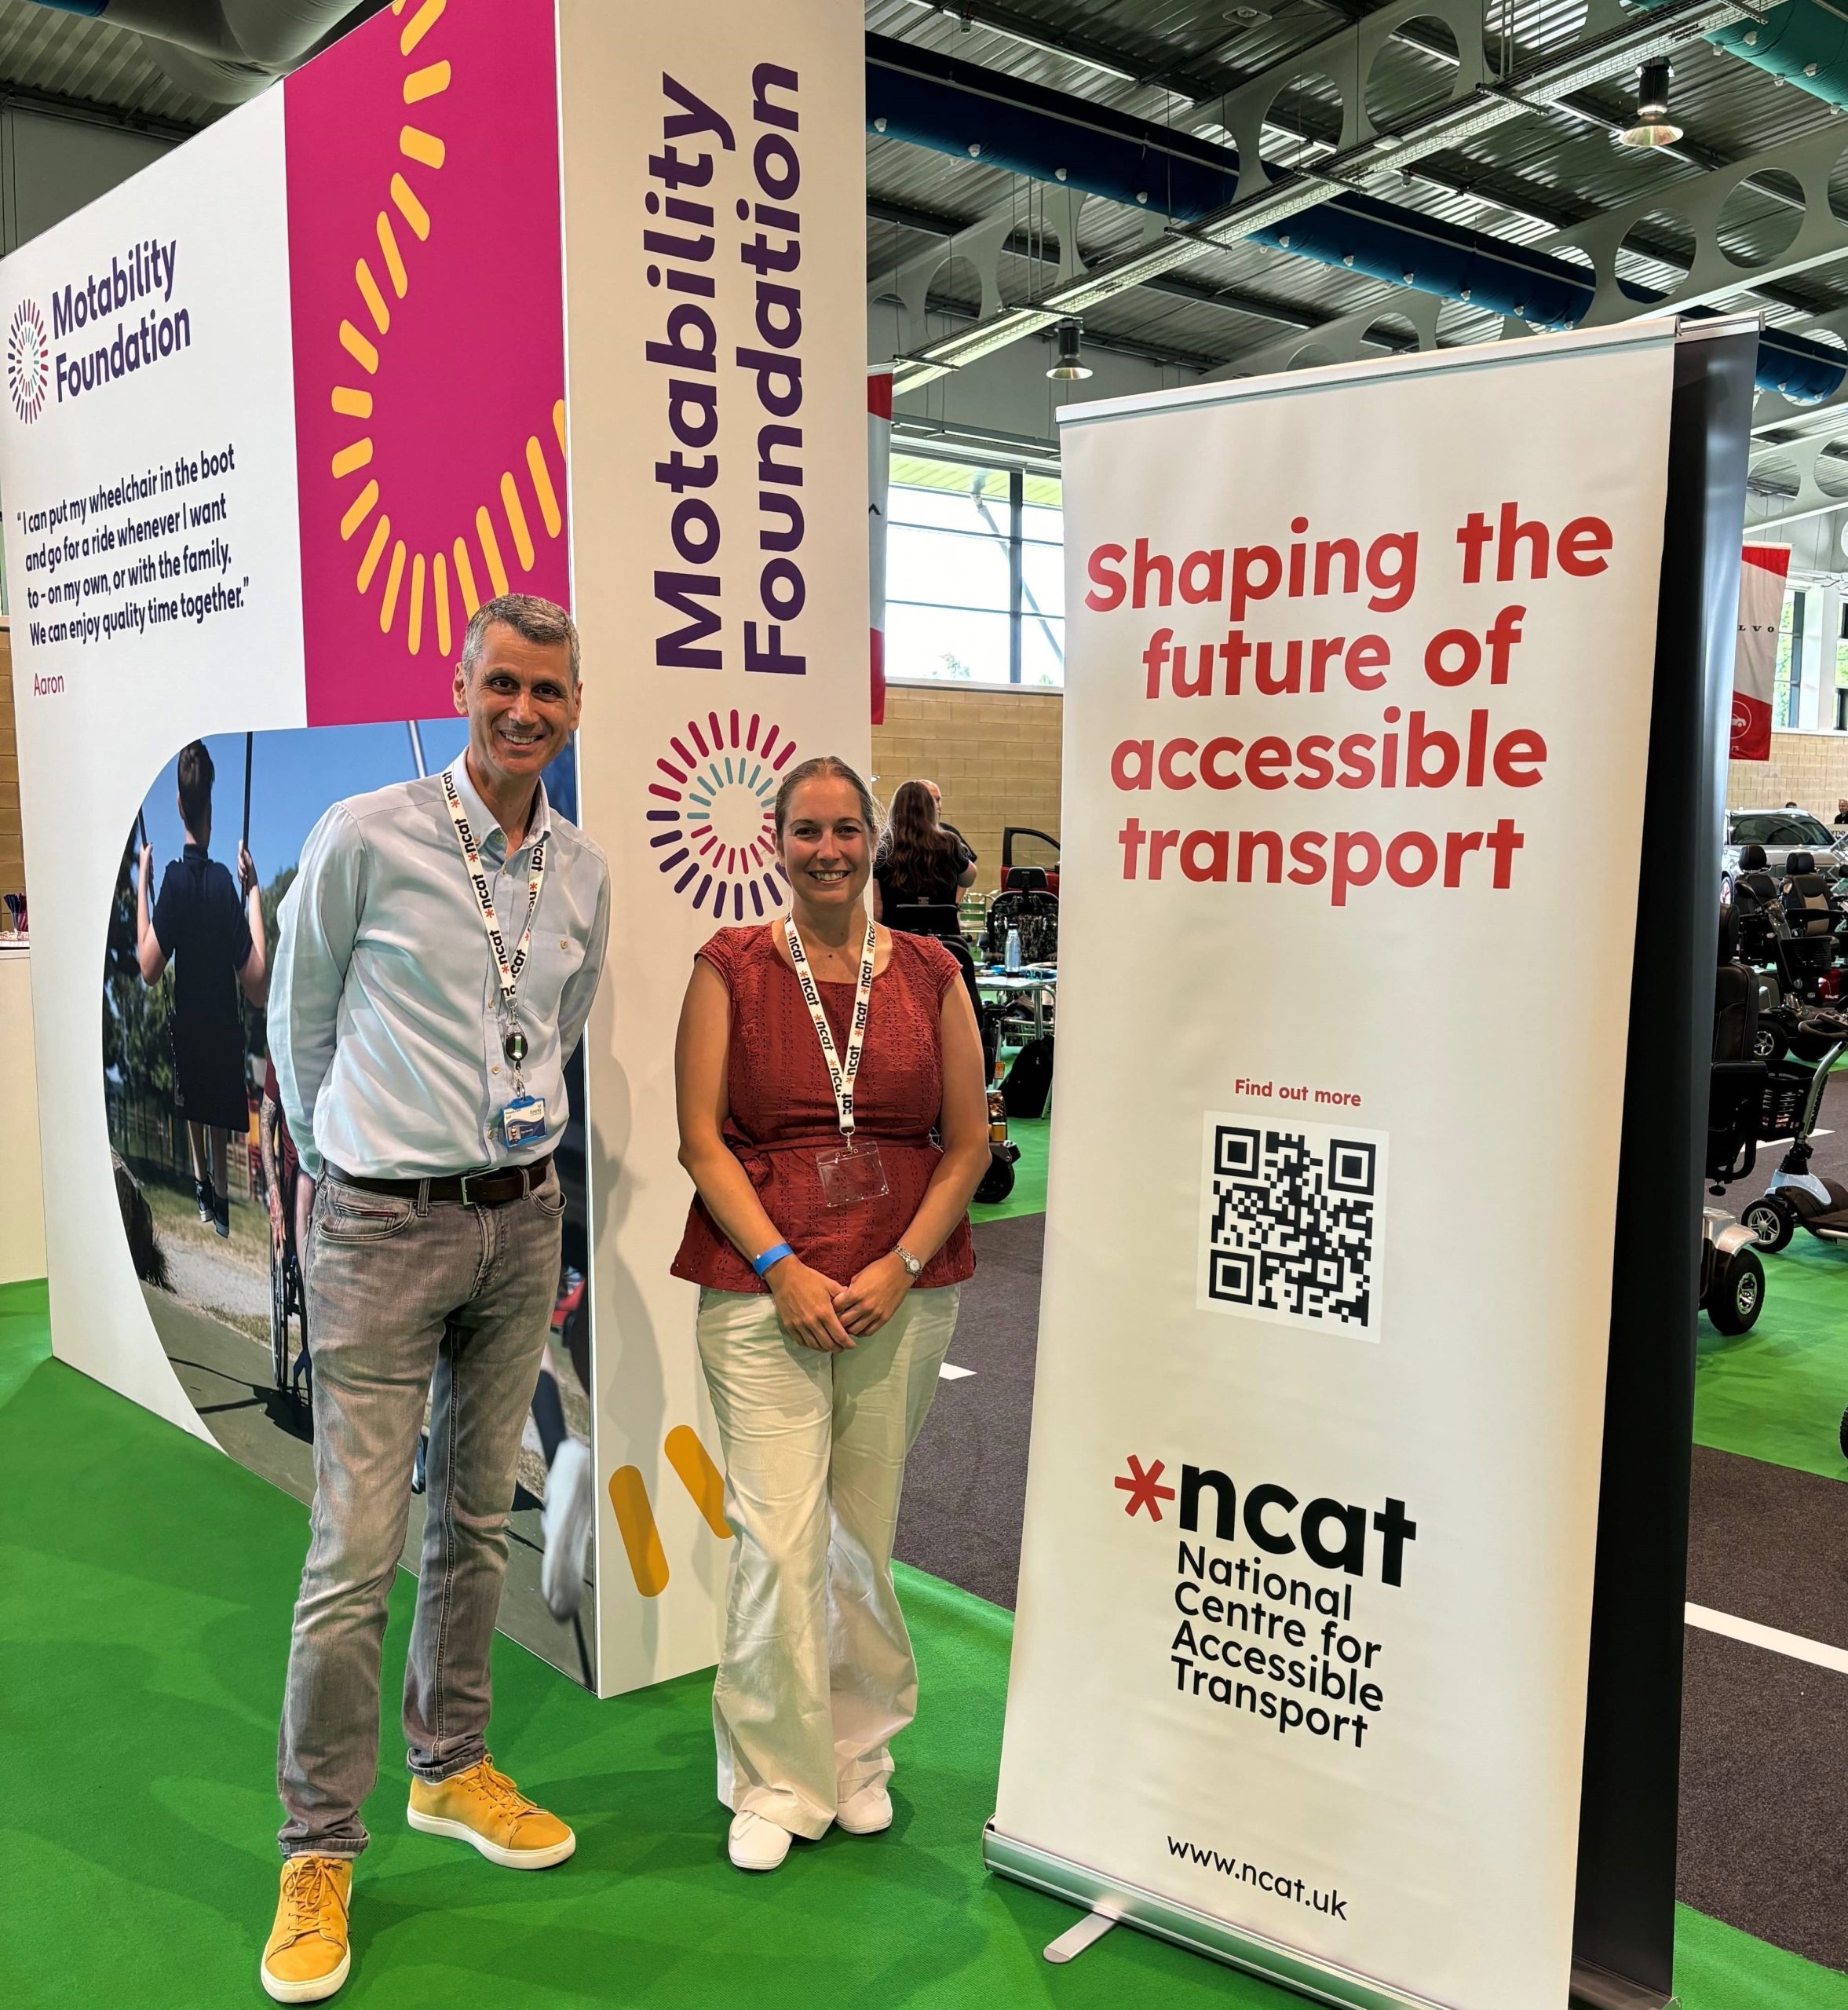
point(485, 1808)
point(305, 1956)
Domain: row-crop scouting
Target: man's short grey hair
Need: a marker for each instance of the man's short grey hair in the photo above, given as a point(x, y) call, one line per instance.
point(538, 621)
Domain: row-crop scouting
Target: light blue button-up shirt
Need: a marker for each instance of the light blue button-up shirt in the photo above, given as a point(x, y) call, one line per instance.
point(384, 1019)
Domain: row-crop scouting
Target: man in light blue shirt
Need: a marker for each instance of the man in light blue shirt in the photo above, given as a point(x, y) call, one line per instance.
point(440, 950)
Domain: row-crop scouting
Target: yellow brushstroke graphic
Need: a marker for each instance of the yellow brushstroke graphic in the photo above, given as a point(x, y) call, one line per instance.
point(490, 551)
point(647, 1561)
point(516, 522)
point(374, 300)
point(350, 459)
point(700, 1478)
point(465, 580)
point(351, 404)
point(426, 83)
point(416, 636)
point(558, 423)
point(410, 208)
point(393, 257)
point(414, 144)
point(359, 349)
point(542, 488)
point(440, 595)
point(393, 580)
point(362, 506)
point(369, 564)
point(420, 25)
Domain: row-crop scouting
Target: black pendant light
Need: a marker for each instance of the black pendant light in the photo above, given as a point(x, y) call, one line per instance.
point(1654, 127)
point(1070, 366)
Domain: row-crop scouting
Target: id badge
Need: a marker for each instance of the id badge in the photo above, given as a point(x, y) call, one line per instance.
point(851, 1174)
point(523, 1120)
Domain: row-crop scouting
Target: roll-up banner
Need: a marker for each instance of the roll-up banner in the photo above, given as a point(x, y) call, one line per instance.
point(1762, 587)
point(714, 178)
point(282, 411)
point(1359, 690)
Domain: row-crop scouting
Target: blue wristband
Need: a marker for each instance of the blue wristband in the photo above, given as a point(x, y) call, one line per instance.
point(775, 1253)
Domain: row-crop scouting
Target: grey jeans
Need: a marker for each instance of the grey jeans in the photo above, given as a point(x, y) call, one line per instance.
point(405, 1300)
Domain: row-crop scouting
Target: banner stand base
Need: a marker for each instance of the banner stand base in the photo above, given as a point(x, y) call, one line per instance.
point(1598, 1989)
point(1074, 1939)
point(1128, 1905)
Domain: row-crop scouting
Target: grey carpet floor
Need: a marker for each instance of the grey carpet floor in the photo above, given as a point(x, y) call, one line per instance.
point(1764, 1816)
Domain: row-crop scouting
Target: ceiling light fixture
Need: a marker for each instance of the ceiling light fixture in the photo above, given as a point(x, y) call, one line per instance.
point(1654, 127)
point(1022, 32)
point(1071, 367)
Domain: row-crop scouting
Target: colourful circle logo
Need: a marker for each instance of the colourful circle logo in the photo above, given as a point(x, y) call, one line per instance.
point(28, 361)
point(714, 814)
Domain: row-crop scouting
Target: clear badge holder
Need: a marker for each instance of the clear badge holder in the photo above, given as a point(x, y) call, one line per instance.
point(852, 1175)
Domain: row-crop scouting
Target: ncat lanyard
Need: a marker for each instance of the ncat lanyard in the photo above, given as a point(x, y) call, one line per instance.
point(841, 1075)
point(513, 1040)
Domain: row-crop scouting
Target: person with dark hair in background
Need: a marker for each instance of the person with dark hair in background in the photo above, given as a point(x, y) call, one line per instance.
point(214, 940)
point(919, 862)
point(936, 796)
point(829, 1234)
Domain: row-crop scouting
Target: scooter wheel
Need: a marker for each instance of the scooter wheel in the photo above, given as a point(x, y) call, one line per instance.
point(997, 1182)
point(1773, 1221)
point(1766, 1045)
point(1738, 1293)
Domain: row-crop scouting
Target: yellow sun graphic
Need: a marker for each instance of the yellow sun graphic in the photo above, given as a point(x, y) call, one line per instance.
point(413, 584)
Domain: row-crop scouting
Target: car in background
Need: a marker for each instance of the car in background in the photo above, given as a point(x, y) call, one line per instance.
point(1782, 832)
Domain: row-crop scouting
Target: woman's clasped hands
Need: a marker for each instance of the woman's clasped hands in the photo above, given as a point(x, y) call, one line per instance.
point(818, 1313)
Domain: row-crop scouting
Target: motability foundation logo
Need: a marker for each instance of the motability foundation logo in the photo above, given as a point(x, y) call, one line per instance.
point(714, 811)
point(28, 361)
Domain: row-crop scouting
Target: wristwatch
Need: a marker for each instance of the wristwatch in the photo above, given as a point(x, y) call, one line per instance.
point(911, 1264)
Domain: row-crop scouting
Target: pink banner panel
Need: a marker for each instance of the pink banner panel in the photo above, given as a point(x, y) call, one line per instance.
point(426, 283)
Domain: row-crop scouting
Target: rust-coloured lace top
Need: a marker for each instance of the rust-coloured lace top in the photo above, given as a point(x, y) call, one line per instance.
point(782, 1113)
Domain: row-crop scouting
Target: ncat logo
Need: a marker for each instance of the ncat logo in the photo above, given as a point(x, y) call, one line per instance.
point(28, 361)
point(714, 813)
point(1331, 1533)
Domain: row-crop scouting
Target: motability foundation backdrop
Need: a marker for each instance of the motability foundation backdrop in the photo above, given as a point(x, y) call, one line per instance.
point(282, 410)
point(1358, 693)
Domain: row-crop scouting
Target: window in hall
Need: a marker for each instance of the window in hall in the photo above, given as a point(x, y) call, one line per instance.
point(1794, 630)
point(974, 573)
point(1841, 681)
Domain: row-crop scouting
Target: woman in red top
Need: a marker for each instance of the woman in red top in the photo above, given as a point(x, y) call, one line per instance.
point(830, 1237)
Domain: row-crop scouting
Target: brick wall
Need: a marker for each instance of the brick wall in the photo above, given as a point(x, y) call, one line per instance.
point(995, 753)
point(1808, 769)
point(12, 862)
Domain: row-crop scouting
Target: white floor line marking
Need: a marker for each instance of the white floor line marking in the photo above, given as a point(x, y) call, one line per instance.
point(1769, 1638)
point(946, 1374)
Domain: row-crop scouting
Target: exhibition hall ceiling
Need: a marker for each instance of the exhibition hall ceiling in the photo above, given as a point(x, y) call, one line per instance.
point(1741, 198)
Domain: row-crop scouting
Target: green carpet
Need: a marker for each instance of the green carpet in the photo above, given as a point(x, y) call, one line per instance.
point(1778, 1392)
point(145, 1583)
point(1028, 1196)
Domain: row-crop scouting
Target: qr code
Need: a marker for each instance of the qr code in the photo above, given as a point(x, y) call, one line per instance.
point(1290, 1222)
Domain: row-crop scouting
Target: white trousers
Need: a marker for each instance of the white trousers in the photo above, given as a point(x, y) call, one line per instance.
point(817, 1674)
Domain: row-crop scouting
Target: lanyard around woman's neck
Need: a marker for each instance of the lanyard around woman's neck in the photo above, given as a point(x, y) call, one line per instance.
point(840, 1076)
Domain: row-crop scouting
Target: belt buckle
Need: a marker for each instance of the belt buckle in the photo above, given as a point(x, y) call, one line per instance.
point(487, 1172)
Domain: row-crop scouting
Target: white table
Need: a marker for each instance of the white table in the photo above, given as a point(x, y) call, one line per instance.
point(1040, 985)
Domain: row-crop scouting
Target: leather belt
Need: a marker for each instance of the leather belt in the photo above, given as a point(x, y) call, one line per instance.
point(492, 1188)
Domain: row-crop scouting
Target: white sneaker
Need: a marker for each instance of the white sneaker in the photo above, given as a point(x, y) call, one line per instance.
point(756, 1843)
point(865, 1813)
point(566, 1527)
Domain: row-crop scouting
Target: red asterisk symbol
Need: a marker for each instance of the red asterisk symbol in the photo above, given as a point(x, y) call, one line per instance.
point(1143, 1489)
